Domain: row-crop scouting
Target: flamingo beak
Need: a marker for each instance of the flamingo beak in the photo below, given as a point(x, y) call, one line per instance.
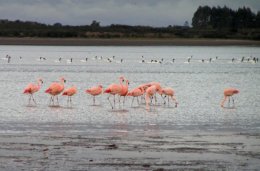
point(64, 81)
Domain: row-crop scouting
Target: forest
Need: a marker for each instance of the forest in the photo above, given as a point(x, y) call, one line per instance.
point(207, 22)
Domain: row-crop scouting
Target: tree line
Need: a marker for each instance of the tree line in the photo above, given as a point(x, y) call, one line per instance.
point(207, 22)
point(225, 18)
point(226, 23)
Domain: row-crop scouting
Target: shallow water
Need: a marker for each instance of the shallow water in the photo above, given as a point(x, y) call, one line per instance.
point(198, 86)
point(199, 90)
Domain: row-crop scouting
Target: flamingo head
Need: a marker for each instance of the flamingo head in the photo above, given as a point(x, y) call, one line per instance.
point(40, 81)
point(122, 78)
point(236, 91)
point(100, 86)
point(63, 79)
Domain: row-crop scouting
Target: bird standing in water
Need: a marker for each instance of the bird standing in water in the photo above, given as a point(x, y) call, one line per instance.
point(168, 91)
point(114, 89)
point(228, 93)
point(95, 91)
point(31, 89)
point(70, 92)
point(55, 89)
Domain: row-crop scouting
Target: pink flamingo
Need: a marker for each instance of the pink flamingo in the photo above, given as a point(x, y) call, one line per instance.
point(32, 88)
point(124, 91)
point(70, 92)
point(229, 92)
point(136, 92)
point(158, 89)
point(95, 91)
point(150, 92)
point(168, 91)
point(144, 87)
point(55, 89)
point(114, 89)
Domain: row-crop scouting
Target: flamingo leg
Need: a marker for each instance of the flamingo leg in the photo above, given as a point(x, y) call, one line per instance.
point(142, 97)
point(33, 99)
point(119, 100)
point(94, 100)
point(155, 99)
point(223, 101)
point(164, 102)
point(50, 101)
point(124, 101)
point(233, 100)
point(29, 100)
point(70, 101)
point(147, 100)
point(168, 100)
point(174, 100)
point(132, 101)
point(109, 101)
point(115, 101)
point(137, 101)
point(228, 101)
point(57, 100)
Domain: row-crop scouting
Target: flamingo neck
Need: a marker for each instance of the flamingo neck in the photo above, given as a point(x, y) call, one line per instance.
point(62, 82)
point(121, 82)
point(142, 89)
point(126, 83)
point(39, 83)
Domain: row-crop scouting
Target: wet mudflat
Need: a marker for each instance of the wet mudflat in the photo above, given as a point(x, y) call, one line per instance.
point(134, 150)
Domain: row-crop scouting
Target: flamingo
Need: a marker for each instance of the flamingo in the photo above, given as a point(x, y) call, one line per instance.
point(144, 87)
point(70, 92)
point(158, 89)
point(229, 92)
point(114, 89)
point(55, 89)
point(32, 88)
point(136, 92)
point(95, 91)
point(124, 91)
point(168, 91)
point(150, 92)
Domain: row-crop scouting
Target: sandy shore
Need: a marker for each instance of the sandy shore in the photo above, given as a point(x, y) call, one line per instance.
point(125, 42)
point(120, 150)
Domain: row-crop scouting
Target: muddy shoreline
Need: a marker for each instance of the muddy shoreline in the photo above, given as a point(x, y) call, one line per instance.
point(122, 150)
point(126, 42)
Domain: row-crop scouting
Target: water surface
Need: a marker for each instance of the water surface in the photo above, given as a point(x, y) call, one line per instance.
point(199, 89)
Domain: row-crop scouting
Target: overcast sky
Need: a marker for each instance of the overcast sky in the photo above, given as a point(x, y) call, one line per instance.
point(130, 12)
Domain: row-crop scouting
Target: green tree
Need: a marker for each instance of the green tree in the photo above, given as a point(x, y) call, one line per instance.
point(201, 17)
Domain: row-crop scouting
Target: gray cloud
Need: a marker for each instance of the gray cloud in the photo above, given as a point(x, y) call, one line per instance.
point(131, 12)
